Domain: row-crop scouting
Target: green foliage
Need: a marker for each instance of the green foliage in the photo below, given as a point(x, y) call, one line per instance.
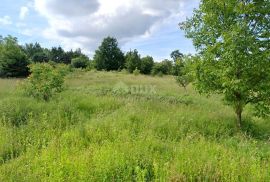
point(85, 136)
point(133, 60)
point(13, 61)
point(58, 55)
point(184, 71)
point(109, 56)
point(45, 80)
point(233, 40)
point(147, 64)
point(136, 72)
point(40, 57)
point(175, 55)
point(80, 62)
point(35, 53)
point(165, 67)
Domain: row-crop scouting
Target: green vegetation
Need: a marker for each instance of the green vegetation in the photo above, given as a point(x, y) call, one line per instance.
point(184, 70)
point(165, 68)
point(45, 80)
point(92, 132)
point(233, 41)
point(133, 61)
point(147, 64)
point(68, 124)
point(80, 62)
point(109, 56)
point(13, 62)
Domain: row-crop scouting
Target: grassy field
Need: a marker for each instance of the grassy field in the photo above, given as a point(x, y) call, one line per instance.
point(120, 127)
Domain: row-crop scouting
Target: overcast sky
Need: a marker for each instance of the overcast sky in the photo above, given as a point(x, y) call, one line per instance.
point(151, 26)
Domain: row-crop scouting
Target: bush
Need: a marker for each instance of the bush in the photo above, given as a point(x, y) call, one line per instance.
point(147, 64)
point(80, 62)
point(133, 61)
point(45, 80)
point(136, 72)
point(165, 67)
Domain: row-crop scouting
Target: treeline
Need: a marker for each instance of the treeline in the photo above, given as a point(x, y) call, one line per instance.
point(109, 57)
point(15, 59)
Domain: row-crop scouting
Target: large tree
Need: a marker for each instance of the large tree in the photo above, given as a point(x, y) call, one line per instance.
point(233, 39)
point(13, 61)
point(109, 56)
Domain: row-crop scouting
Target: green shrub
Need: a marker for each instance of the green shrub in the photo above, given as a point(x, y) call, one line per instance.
point(133, 61)
point(136, 72)
point(80, 62)
point(147, 64)
point(45, 80)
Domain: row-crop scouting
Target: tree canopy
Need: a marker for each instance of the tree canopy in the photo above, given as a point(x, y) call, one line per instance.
point(232, 38)
point(109, 56)
point(13, 61)
point(133, 61)
point(176, 54)
point(147, 64)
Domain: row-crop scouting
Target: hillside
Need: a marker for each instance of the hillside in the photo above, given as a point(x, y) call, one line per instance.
point(121, 127)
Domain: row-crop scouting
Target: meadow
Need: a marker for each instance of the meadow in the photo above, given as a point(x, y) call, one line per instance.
point(114, 126)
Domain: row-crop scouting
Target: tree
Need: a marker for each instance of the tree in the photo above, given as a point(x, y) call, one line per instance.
point(175, 55)
point(133, 61)
point(147, 64)
point(58, 55)
point(31, 49)
point(40, 57)
point(45, 80)
point(35, 53)
point(233, 40)
point(184, 71)
point(80, 62)
point(13, 61)
point(109, 56)
point(164, 67)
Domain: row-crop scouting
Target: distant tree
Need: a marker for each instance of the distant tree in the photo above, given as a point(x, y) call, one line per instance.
point(184, 71)
point(80, 62)
point(35, 53)
point(147, 64)
point(133, 61)
point(13, 61)
point(164, 67)
point(233, 40)
point(58, 55)
point(31, 49)
point(109, 56)
point(175, 55)
point(40, 57)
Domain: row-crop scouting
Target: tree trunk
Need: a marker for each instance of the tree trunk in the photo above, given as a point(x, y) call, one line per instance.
point(238, 112)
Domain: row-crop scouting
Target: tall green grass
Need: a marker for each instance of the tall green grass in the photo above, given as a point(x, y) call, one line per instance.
point(91, 133)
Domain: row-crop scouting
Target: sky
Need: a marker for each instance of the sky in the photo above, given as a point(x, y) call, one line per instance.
point(150, 26)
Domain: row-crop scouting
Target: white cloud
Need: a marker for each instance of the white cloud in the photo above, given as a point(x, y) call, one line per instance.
point(24, 12)
point(83, 23)
point(6, 20)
